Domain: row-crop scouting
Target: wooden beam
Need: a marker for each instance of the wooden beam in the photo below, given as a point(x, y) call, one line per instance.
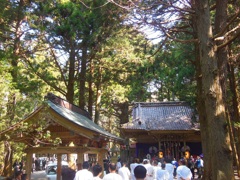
point(64, 150)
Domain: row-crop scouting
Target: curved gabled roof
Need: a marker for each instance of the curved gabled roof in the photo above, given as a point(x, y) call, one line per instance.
point(80, 120)
point(69, 116)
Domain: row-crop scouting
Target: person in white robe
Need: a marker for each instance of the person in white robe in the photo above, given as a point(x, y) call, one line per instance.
point(183, 172)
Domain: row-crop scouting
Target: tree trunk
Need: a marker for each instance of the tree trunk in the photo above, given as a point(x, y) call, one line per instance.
point(70, 85)
point(203, 119)
point(8, 160)
point(124, 112)
point(200, 104)
point(233, 145)
point(82, 78)
point(217, 152)
point(98, 96)
point(97, 105)
point(90, 90)
point(235, 112)
point(222, 57)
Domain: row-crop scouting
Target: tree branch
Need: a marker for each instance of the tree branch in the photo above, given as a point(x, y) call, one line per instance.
point(180, 40)
point(57, 64)
point(227, 26)
point(236, 32)
point(43, 78)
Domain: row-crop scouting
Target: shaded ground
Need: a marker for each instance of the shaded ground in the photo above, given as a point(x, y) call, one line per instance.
point(38, 175)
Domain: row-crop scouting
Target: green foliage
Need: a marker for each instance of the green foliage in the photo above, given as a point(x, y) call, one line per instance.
point(19, 154)
point(176, 71)
point(122, 55)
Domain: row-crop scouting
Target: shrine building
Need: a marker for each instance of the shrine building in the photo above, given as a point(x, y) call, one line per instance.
point(167, 127)
point(66, 123)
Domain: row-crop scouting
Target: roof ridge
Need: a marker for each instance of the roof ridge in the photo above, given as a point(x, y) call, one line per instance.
point(163, 103)
point(64, 103)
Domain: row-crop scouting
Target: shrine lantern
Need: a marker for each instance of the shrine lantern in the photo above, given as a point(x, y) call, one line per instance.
point(186, 151)
point(160, 154)
point(187, 154)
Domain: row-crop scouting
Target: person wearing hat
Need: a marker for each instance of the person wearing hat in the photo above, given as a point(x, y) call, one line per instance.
point(183, 172)
point(163, 174)
point(150, 169)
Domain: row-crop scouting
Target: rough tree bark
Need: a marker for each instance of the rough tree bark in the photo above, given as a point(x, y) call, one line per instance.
point(90, 88)
point(8, 161)
point(98, 95)
point(214, 131)
point(82, 75)
point(222, 61)
point(71, 74)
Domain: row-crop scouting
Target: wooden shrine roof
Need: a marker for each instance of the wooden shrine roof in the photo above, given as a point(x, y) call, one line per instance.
point(80, 120)
point(164, 116)
point(162, 120)
point(63, 120)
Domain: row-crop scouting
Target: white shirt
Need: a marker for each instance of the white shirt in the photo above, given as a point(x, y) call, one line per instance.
point(112, 176)
point(162, 174)
point(155, 168)
point(83, 174)
point(184, 172)
point(150, 171)
point(170, 168)
point(132, 166)
point(201, 162)
point(118, 165)
point(96, 178)
point(124, 173)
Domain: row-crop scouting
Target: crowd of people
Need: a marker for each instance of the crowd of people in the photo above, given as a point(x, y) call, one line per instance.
point(166, 169)
point(18, 172)
point(40, 163)
point(154, 169)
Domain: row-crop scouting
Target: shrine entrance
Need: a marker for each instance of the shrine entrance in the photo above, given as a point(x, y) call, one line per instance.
point(167, 127)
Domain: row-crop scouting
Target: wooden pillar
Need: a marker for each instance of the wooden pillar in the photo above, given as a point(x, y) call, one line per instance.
point(159, 145)
point(100, 156)
point(59, 166)
point(184, 147)
point(178, 149)
point(80, 160)
point(29, 165)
